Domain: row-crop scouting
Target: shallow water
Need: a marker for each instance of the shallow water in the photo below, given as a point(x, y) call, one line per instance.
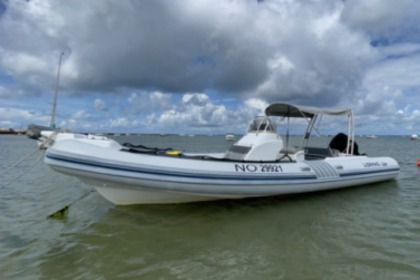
point(367, 232)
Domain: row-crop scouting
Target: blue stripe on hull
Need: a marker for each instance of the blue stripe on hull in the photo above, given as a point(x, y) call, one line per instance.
point(213, 177)
point(185, 175)
point(351, 174)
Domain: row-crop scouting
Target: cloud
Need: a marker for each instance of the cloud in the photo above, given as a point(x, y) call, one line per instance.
point(167, 61)
point(384, 21)
point(119, 122)
point(196, 110)
point(99, 105)
point(81, 114)
point(257, 104)
point(407, 69)
point(11, 117)
point(4, 92)
point(197, 99)
point(247, 48)
point(148, 101)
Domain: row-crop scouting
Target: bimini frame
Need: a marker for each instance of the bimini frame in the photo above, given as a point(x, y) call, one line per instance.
point(312, 114)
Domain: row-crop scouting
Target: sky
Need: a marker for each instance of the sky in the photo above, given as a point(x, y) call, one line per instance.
point(207, 66)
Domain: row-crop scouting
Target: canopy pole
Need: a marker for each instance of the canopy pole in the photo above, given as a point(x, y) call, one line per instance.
point(308, 131)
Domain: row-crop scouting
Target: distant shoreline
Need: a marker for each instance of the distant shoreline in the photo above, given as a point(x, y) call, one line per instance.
point(23, 132)
point(12, 131)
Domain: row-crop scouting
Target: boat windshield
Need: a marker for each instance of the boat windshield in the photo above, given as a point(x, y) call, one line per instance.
point(262, 124)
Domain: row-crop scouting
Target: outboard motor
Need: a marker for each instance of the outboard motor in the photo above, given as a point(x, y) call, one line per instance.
point(261, 143)
point(339, 142)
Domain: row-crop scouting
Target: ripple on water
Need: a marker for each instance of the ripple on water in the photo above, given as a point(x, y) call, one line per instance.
point(368, 232)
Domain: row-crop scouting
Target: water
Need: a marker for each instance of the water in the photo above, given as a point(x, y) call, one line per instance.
point(367, 232)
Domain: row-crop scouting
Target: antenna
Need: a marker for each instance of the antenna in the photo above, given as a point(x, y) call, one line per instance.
point(52, 123)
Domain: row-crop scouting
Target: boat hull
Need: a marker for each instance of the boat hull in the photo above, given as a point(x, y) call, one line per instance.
point(34, 131)
point(128, 178)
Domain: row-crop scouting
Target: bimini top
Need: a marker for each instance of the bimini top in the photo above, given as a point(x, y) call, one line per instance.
point(298, 111)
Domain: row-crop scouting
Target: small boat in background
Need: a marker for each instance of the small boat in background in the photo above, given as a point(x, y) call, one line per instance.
point(414, 137)
point(371, 136)
point(229, 137)
point(34, 130)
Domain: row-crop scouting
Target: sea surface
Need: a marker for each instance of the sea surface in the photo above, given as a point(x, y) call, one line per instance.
point(365, 232)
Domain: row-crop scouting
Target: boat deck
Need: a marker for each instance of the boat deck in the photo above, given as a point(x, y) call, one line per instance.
point(311, 153)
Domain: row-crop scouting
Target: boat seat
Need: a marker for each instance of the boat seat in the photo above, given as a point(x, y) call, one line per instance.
point(318, 153)
point(290, 153)
point(289, 150)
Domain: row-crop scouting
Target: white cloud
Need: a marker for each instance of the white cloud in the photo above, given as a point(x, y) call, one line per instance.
point(258, 104)
point(399, 50)
point(326, 53)
point(99, 105)
point(197, 111)
point(24, 64)
point(198, 99)
point(149, 101)
point(4, 92)
point(401, 73)
point(188, 46)
point(11, 117)
point(81, 115)
point(118, 122)
point(382, 19)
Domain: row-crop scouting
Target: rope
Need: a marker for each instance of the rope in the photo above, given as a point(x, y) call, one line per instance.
point(20, 161)
point(62, 213)
point(43, 146)
point(25, 171)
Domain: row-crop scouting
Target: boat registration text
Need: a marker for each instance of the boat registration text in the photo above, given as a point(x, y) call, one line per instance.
point(258, 168)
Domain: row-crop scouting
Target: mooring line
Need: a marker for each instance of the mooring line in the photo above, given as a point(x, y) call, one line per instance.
point(25, 171)
point(63, 212)
point(47, 142)
point(19, 162)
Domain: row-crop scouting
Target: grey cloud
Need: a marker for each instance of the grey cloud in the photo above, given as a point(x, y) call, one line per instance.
point(191, 46)
point(99, 105)
point(385, 22)
point(148, 102)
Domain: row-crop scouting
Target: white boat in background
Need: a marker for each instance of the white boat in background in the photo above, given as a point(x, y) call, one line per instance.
point(229, 137)
point(414, 137)
point(48, 138)
point(259, 164)
point(371, 136)
point(34, 131)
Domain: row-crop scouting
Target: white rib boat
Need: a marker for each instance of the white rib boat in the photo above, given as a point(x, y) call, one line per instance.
point(257, 165)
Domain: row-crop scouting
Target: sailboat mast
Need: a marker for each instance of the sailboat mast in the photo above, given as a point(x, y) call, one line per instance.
point(52, 123)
